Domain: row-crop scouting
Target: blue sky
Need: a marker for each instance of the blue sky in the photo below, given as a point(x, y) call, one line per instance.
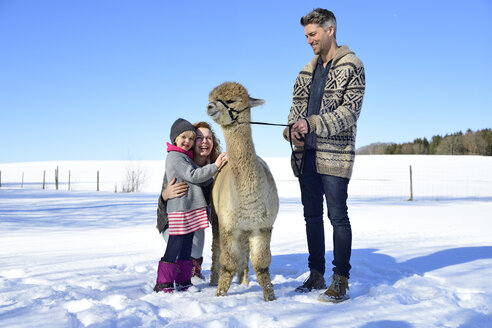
point(105, 79)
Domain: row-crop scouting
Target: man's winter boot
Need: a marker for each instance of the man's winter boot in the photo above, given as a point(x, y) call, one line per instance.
point(314, 281)
point(197, 267)
point(337, 292)
point(183, 279)
point(166, 274)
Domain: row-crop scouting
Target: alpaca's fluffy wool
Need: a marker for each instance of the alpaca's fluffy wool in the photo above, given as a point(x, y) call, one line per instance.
point(244, 196)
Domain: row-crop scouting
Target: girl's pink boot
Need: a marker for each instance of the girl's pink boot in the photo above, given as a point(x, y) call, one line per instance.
point(166, 274)
point(183, 279)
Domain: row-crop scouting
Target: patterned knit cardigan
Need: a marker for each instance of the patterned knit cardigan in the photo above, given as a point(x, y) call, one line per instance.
point(336, 124)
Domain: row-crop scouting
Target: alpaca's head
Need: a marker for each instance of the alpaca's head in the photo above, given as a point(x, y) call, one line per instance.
point(230, 104)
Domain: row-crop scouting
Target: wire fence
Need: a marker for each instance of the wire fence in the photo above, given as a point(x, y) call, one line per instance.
point(384, 177)
point(109, 176)
point(431, 177)
point(411, 177)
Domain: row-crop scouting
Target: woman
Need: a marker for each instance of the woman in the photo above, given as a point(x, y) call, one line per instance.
point(205, 151)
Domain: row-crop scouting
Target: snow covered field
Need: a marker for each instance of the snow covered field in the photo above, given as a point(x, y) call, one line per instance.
point(83, 258)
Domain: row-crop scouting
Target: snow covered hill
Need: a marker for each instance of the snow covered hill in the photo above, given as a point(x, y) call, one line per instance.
point(83, 258)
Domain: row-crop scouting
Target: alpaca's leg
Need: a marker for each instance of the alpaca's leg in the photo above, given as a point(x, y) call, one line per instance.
point(261, 258)
point(228, 261)
point(215, 269)
point(243, 267)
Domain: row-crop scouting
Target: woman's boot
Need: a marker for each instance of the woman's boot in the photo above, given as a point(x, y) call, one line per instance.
point(197, 267)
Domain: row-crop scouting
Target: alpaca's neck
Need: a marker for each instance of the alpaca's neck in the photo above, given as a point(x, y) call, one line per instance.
point(242, 157)
point(239, 144)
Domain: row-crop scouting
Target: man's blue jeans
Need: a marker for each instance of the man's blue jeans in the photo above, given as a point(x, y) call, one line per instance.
point(313, 187)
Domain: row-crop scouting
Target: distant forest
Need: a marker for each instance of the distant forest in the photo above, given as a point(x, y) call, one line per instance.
point(469, 143)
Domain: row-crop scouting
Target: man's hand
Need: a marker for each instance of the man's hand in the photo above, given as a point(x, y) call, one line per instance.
point(174, 190)
point(297, 139)
point(301, 126)
point(299, 130)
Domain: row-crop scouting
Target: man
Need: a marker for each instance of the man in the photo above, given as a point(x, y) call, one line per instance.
point(326, 104)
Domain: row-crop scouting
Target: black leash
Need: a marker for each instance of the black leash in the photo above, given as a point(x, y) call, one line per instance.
point(273, 124)
point(299, 168)
point(233, 113)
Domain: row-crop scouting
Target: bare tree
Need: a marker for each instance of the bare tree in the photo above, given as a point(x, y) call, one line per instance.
point(135, 178)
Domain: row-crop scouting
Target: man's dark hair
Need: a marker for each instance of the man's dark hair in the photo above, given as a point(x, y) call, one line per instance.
point(322, 17)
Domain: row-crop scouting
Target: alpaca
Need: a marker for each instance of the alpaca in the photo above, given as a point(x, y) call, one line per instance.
point(244, 196)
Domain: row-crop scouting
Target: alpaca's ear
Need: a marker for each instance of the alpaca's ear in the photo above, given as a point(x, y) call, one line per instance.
point(255, 102)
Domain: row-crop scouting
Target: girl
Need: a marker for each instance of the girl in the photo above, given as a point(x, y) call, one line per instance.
point(206, 150)
point(186, 214)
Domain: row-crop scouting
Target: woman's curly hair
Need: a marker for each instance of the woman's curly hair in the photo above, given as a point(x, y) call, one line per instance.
point(216, 149)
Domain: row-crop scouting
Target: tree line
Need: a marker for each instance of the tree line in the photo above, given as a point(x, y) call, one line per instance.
point(469, 143)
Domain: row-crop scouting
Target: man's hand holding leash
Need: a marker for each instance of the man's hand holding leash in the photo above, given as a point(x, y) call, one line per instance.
point(299, 130)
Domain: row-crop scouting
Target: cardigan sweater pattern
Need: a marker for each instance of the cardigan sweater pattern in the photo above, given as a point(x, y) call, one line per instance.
point(336, 124)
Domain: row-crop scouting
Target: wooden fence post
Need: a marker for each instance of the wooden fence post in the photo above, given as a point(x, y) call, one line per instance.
point(69, 173)
point(411, 185)
point(44, 178)
point(56, 178)
point(97, 180)
point(22, 183)
point(0, 179)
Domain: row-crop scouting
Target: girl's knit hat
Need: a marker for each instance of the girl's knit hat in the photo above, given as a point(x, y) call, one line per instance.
point(179, 126)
